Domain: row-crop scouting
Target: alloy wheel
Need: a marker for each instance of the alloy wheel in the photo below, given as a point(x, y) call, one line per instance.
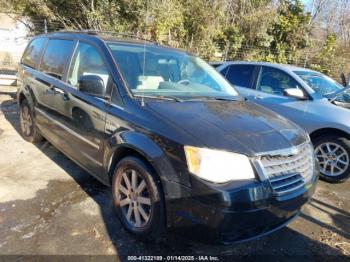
point(134, 197)
point(26, 120)
point(333, 159)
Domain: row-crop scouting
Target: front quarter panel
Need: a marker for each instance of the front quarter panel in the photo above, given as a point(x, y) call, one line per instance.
point(310, 115)
point(323, 114)
point(156, 154)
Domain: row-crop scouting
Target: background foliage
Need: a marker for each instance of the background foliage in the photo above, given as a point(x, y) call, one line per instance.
point(282, 31)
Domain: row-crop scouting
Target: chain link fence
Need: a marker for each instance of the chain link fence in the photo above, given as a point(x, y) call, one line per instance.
point(12, 47)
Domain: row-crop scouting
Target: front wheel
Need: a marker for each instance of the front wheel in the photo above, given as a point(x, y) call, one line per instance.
point(333, 154)
point(138, 199)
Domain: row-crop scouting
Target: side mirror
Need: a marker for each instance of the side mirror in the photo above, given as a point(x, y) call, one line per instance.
point(295, 93)
point(92, 85)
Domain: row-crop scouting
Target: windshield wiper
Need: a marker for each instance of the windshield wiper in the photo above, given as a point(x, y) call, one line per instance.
point(335, 95)
point(173, 98)
point(223, 98)
point(199, 98)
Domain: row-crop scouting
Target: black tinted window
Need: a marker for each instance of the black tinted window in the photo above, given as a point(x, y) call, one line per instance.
point(240, 75)
point(224, 71)
point(55, 57)
point(274, 81)
point(31, 55)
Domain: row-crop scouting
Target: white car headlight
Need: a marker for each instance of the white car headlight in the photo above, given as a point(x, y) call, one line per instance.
point(218, 166)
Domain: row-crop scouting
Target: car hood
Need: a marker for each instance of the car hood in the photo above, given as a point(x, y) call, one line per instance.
point(237, 126)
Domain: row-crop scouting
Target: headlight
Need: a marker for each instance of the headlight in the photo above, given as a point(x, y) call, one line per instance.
point(218, 166)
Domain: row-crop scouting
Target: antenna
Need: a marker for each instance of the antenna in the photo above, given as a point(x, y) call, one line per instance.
point(144, 54)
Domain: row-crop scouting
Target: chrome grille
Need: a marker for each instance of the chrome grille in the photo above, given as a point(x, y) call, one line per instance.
point(288, 171)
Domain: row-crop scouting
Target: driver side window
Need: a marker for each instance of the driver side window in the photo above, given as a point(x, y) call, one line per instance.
point(88, 61)
point(274, 81)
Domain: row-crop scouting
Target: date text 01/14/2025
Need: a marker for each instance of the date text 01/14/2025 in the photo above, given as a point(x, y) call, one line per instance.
point(173, 258)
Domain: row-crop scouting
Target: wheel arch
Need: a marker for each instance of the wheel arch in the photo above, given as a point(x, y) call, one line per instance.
point(126, 150)
point(336, 134)
point(21, 97)
point(130, 142)
point(328, 131)
point(27, 94)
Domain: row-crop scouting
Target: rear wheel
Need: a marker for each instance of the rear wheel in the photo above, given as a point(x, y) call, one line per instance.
point(138, 199)
point(333, 154)
point(28, 129)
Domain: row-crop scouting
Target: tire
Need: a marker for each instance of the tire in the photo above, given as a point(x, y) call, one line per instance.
point(337, 153)
point(29, 130)
point(131, 206)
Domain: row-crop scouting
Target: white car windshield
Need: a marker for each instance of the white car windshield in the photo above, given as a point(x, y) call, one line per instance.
point(158, 71)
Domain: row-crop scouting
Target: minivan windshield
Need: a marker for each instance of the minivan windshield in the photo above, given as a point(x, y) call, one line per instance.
point(160, 72)
point(323, 85)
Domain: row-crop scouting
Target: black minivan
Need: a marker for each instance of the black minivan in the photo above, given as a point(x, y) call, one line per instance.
point(174, 141)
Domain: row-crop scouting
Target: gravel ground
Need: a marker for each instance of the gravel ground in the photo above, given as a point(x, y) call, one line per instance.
point(50, 206)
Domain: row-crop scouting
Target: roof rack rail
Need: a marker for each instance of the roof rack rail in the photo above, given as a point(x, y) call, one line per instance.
point(96, 32)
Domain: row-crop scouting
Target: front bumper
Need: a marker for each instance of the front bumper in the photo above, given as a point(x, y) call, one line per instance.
point(235, 213)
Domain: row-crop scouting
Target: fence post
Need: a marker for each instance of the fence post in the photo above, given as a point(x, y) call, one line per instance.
point(305, 60)
point(226, 51)
point(45, 26)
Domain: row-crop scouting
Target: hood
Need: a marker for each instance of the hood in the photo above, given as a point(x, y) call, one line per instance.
point(236, 126)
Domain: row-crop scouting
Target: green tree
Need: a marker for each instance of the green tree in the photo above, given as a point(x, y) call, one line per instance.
point(263, 30)
point(290, 30)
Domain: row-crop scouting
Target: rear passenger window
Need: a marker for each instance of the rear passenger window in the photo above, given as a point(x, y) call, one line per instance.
point(31, 55)
point(240, 75)
point(56, 56)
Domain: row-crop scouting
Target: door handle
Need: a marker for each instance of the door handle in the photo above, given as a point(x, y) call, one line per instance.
point(65, 97)
point(56, 91)
point(50, 90)
point(258, 97)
